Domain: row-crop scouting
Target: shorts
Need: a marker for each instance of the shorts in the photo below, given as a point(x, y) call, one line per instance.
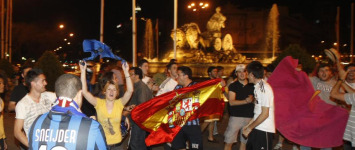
point(211, 118)
point(258, 140)
point(235, 124)
point(190, 133)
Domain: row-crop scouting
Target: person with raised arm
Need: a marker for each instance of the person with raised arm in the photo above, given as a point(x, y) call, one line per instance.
point(109, 110)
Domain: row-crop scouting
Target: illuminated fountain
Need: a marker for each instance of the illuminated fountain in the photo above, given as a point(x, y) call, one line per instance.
point(272, 31)
point(209, 46)
point(149, 50)
point(201, 49)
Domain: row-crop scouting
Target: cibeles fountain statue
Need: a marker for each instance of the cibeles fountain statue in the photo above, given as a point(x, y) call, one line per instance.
point(208, 46)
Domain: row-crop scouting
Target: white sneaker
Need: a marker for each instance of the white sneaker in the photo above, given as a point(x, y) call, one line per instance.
point(295, 147)
point(278, 146)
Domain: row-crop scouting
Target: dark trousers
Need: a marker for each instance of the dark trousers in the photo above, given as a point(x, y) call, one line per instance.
point(258, 140)
point(2, 144)
point(347, 146)
point(137, 140)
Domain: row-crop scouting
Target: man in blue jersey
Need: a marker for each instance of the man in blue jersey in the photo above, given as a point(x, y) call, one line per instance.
point(65, 126)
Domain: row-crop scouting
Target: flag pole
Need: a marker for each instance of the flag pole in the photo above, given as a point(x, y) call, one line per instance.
point(102, 21)
point(10, 32)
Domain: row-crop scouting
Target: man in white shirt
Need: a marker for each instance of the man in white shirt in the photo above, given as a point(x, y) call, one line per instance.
point(261, 128)
point(35, 103)
point(169, 83)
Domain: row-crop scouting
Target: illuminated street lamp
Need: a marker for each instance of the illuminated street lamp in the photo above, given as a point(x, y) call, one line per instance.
point(195, 7)
point(61, 26)
point(71, 34)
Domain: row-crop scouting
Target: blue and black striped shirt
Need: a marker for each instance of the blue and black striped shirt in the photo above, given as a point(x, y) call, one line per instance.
point(64, 130)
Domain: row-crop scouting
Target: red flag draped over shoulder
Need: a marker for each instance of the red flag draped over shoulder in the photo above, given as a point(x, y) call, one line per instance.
point(302, 116)
point(164, 115)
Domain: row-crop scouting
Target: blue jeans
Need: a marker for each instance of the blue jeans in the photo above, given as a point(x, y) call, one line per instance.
point(309, 148)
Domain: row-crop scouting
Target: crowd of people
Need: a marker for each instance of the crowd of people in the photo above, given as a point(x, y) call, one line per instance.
point(92, 110)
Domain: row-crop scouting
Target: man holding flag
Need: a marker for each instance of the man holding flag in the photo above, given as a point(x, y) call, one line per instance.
point(191, 130)
point(174, 116)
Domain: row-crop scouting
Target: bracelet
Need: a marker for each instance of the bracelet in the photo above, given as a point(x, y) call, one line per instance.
point(341, 80)
point(246, 101)
point(128, 77)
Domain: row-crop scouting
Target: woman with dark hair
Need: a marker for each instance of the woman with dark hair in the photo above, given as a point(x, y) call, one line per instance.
point(3, 144)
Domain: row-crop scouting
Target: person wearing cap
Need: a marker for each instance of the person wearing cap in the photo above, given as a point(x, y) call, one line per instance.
point(65, 126)
point(240, 107)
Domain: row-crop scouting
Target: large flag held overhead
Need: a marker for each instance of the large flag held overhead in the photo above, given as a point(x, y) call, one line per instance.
point(302, 116)
point(164, 115)
point(97, 48)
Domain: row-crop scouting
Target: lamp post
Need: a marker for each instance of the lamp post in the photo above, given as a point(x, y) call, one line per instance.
point(102, 21)
point(175, 25)
point(134, 33)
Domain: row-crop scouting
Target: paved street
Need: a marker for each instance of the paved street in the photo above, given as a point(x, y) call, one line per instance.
point(9, 121)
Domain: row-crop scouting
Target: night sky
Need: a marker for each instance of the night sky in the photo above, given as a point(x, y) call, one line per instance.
point(82, 17)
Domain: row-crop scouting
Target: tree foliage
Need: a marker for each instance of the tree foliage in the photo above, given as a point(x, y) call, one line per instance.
point(51, 67)
point(295, 50)
point(6, 66)
point(32, 40)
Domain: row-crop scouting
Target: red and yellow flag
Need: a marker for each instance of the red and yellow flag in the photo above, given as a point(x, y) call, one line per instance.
point(164, 115)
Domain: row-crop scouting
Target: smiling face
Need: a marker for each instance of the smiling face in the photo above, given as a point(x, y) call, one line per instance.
point(111, 92)
point(39, 83)
point(351, 74)
point(241, 75)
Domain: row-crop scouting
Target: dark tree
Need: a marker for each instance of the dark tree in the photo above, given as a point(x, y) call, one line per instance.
point(295, 50)
point(51, 67)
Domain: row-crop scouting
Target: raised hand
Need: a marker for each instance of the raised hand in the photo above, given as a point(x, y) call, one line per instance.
point(125, 68)
point(82, 65)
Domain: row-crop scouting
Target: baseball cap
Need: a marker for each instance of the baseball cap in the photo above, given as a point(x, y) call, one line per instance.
point(240, 67)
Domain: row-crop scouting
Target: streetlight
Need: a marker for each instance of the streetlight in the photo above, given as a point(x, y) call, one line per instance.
point(71, 34)
point(61, 26)
point(195, 7)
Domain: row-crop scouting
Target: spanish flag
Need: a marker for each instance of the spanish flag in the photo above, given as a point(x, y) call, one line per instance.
point(164, 115)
